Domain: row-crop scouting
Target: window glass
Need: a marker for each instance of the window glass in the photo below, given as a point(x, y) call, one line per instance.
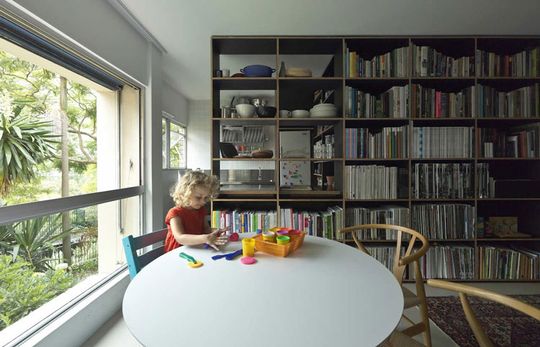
point(40, 258)
point(173, 144)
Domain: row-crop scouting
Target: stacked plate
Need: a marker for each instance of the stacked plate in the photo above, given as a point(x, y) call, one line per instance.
point(323, 111)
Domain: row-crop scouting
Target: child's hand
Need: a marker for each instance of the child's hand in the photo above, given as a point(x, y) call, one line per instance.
point(217, 238)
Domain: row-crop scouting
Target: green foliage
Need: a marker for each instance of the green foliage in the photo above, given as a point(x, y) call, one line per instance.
point(35, 190)
point(34, 93)
point(81, 271)
point(22, 290)
point(36, 238)
point(24, 143)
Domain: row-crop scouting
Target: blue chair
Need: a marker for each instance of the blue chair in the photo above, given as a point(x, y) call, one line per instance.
point(132, 244)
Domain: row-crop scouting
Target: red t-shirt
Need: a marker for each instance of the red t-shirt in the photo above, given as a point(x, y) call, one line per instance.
point(192, 220)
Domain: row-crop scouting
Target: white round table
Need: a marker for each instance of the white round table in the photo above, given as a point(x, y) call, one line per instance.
point(324, 294)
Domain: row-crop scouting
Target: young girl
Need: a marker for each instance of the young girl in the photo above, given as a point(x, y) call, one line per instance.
point(185, 221)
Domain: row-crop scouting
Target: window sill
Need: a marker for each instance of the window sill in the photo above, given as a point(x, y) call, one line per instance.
point(72, 317)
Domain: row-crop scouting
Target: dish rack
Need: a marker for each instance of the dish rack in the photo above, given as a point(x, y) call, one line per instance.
point(273, 248)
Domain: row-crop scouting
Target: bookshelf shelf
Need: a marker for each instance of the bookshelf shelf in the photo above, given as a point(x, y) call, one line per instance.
point(444, 93)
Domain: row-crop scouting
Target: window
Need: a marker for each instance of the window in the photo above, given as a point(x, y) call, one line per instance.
point(174, 143)
point(70, 178)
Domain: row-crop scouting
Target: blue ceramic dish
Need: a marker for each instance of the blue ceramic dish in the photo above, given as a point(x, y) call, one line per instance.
point(257, 71)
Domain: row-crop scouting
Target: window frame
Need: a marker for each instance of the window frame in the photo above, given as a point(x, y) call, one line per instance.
point(168, 118)
point(107, 288)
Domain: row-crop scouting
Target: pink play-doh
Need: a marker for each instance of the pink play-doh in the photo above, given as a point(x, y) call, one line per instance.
point(248, 260)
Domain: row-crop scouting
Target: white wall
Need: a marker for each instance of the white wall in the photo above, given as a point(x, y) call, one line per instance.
point(174, 103)
point(199, 135)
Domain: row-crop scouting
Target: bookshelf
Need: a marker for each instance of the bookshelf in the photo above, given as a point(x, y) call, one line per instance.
point(440, 134)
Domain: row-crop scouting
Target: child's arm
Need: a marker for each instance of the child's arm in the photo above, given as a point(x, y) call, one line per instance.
point(181, 237)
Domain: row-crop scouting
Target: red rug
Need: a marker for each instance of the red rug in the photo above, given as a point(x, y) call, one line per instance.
point(503, 325)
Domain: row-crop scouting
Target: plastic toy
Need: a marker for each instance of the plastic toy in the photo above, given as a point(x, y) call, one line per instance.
point(248, 260)
point(191, 261)
point(228, 256)
point(234, 237)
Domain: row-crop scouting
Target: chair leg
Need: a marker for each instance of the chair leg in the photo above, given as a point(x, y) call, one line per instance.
point(421, 293)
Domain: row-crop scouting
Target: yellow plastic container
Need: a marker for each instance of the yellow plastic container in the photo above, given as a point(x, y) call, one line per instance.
point(269, 236)
point(248, 247)
point(297, 239)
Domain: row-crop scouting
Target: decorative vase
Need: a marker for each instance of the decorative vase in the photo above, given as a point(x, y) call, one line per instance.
point(329, 183)
point(282, 70)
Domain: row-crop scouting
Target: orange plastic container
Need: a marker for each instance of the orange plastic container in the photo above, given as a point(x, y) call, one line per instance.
point(279, 250)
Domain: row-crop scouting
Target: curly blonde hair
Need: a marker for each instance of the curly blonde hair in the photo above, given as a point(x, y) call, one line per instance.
point(182, 190)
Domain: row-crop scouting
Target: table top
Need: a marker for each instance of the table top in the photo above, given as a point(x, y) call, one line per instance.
point(324, 294)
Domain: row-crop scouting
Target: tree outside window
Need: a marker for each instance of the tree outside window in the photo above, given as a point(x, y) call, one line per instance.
point(174, 143)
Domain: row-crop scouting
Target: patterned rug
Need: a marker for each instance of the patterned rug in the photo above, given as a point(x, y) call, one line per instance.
point(504, 326)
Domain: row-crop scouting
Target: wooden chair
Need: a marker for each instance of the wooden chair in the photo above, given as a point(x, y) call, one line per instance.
point(132, 244)
point(400, 262)
point(464, 290)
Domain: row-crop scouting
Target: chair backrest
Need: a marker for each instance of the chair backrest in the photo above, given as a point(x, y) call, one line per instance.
point(132, 244)
point(464, 290)
point(400, 262)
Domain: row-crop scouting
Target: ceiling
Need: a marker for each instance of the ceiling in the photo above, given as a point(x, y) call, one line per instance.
point(184, 27)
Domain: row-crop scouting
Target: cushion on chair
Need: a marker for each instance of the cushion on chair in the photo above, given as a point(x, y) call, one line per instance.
point(409, 298)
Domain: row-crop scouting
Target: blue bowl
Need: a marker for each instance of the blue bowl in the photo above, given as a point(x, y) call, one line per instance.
point(257, 71)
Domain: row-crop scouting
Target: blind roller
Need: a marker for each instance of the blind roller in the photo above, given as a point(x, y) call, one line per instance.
point(34, 43)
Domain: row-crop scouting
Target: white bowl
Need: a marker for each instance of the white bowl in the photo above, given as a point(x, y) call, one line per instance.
point(300, 114)
point(324, 107)
point(323, 113)
point(245, 110)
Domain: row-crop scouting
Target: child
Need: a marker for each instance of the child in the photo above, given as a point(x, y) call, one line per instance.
point(185, 221)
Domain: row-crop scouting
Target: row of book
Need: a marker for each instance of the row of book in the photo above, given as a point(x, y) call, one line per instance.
point(242, 221)
point(444, 221)
point(392, 103)
point(375, 182)
point(458, 262)
point(479, 100)
point(390, 64)
point(522, 102)
point(451, 262)
point(442, 142)
point(428, 62)
point(396, 215)
point(388, 142)
point(522, 64)
point(515, 142)
point(432, 103)
point(325, 223)
point(516, 263)
point(485, 182)
point(443, 181)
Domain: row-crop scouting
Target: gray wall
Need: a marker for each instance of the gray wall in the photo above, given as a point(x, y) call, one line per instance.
point(100, 28)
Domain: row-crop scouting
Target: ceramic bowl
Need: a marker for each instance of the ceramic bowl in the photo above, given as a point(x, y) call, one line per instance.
point(245, 110)
point(300, 114)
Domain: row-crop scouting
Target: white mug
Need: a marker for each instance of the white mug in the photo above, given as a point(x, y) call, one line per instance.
point(226, 72)
point(284, 113)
